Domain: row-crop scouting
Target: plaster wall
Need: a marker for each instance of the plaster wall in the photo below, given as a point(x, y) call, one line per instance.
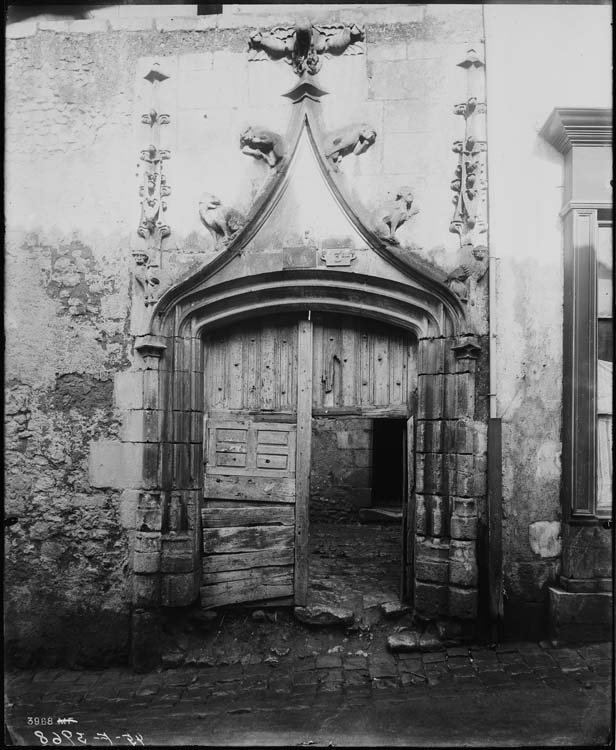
point(73, 137)
point(537, 58)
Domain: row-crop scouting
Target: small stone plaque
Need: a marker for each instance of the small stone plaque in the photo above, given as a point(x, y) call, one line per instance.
point(299, 256)
point(338, 256)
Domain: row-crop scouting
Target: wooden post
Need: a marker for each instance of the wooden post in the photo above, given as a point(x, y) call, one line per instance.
point(302, 467)
point(495, 520)
point(408, 515)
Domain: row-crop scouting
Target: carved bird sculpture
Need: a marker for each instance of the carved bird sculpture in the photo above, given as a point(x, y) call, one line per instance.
point(223, 222)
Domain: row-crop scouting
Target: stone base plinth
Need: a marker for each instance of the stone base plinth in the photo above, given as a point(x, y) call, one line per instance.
point(580, 616)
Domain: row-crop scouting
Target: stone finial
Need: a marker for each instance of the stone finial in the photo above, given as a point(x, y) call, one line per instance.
point(223, 222)
point(262, 144)
point(472, 60)
point(155, 74)
point(354, 139)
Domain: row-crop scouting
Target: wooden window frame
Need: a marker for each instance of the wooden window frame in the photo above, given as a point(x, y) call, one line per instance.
point(584, 137)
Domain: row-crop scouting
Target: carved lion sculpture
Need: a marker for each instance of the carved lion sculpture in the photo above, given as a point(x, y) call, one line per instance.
point(352, 139)
point(262, 144)
point(397, 212)
point(222, 221)
point(470, 271)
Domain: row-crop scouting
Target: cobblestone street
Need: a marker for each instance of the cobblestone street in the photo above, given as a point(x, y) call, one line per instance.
point(333, 696)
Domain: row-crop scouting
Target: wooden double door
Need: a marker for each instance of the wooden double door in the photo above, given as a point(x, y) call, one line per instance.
point(264, 380)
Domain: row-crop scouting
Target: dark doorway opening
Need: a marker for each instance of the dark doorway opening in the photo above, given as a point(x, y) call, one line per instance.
point(388, 445)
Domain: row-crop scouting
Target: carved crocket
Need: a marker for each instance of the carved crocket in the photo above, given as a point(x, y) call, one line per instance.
point(351, 139)
point(262, 144)
point(223, 222)
point(397, 212)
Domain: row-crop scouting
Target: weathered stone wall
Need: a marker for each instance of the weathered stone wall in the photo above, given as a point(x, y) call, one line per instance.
point(340, 475)
point(73, 138)
point(524, 84)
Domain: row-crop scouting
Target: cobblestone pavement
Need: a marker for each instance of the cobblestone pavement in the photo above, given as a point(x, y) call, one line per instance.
point(36, 700)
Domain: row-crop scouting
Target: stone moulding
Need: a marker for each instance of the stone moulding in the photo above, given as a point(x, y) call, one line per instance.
point(568, 127)
point(305, 118)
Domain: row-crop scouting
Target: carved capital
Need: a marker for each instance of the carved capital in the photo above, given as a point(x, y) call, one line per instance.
point(466, 347)
point(150, 346)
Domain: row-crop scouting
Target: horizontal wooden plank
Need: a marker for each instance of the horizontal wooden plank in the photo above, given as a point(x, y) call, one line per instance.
point(256, 515)
point(230, 435)
point(359, 411)
point(220, 594)
point(257, 576)
point(277, 417)
point(274, 450)
point(242, 560)
point(247, 538)
point(273, 437)
point(261, 489)
point(240, 471)
point(269, 461)
point(224, 447)
point(237, 460)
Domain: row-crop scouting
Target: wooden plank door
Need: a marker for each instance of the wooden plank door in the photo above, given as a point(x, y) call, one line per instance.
point(408, 513)
point(248, 511)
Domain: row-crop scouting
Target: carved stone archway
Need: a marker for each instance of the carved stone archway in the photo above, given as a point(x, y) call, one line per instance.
point(252, 277)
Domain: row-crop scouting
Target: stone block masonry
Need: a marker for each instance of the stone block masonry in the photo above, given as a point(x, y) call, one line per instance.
point(341, 470)
point(450, 480)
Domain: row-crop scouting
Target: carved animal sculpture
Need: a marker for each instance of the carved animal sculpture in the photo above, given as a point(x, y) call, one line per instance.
point(398, 211)
point(337, 43)
point(262, 144)
point(352, 139)
point(457, 279)
point(461, 279)
point(222, 221)
point(272, 44)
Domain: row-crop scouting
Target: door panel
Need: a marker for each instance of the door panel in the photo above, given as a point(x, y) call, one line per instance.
point(248, 511)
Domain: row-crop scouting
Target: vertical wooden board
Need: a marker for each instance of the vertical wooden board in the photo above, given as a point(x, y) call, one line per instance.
point(317, 353)
point(267, 370)
point(304, 438)
point(365, 373)
point(348, 368)
point(396, 381)
point(495, 524)
point(251, 373)
point(408, 526)
point(328, 371)
point(283, 363)
point(234, 372)
point(337, 365)
point(381, 370)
